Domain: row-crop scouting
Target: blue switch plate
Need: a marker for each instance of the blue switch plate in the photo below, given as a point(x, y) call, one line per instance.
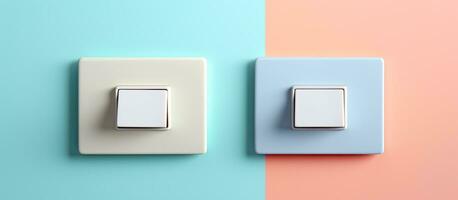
point(363, 78)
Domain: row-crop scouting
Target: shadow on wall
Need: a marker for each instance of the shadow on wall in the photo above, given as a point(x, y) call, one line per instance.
point(73, 108)
point(250, 80)
point(324, 159)
point(73, 116)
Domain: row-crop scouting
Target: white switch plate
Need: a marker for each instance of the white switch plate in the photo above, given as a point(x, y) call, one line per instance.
point(142, 107)
point(319, 107)
point(98, 78)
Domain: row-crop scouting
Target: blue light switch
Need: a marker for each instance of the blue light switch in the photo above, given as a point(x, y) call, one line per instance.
point(319, 106)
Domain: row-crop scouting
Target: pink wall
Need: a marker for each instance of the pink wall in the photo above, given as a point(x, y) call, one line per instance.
point(419, 41)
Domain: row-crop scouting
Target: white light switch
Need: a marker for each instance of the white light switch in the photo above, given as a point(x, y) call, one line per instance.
point(142, 107)
point(157, 106)
point(319, 107)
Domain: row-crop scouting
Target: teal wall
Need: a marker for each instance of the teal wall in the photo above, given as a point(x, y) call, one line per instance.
point(40, 43)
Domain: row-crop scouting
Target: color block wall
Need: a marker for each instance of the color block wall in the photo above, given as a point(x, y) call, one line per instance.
point(41, 41)
point(40, 44)
point(418, 40)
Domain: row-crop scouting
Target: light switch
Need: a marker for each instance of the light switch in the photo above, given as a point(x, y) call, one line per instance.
point(142, 107)
point(155, 106)
point(319, 107)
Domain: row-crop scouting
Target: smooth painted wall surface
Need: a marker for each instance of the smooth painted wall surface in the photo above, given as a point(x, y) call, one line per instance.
point(40, 44)
point(418, 41)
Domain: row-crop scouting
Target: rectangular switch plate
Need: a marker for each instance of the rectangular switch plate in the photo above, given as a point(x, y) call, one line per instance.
point(363, 78)
point(186, 78)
